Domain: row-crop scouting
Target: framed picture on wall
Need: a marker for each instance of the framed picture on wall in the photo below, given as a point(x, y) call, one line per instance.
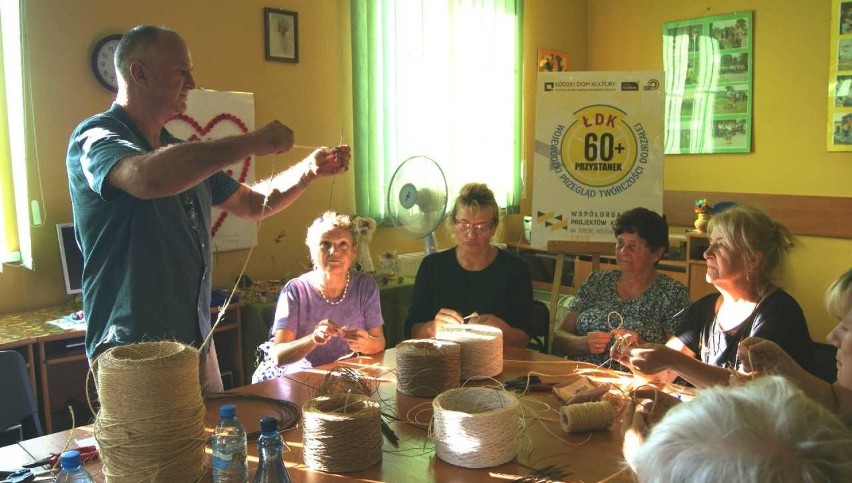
point(282, 35)
point(839, 129)
point(708, 65)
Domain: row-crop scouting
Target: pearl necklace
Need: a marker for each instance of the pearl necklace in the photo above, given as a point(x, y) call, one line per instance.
point(345, 290)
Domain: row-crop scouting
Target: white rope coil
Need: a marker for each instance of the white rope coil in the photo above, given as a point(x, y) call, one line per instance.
point(481, 348)
point(590, 416)
point(427, 367)
point(476, 427)
point(148, 430)
point(341, 433)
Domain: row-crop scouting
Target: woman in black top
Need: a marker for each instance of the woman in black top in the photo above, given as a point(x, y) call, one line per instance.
point(746, 248)
point(473, 277)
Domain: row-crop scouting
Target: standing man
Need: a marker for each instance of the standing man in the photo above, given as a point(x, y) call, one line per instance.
point(142, 201)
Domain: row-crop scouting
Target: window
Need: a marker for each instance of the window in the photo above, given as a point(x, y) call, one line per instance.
point(14, 212)
point(442, 79)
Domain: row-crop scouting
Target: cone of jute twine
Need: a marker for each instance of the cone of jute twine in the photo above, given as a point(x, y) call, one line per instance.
point(427, 367)
point(481, 348)
point(588, 416)
point(341, 433)
point(476, 427)
point(150, 426)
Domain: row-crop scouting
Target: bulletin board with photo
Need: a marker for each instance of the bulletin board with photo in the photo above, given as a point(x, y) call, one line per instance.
point(839, 131)
point(708, 84)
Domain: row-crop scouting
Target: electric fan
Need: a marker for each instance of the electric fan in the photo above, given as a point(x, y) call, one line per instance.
point(417, 199)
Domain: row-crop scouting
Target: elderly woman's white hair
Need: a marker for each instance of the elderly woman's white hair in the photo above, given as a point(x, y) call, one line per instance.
point(765, 431)
point(325, 223)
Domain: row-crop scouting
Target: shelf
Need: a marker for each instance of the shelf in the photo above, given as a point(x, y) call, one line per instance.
point(63, 359)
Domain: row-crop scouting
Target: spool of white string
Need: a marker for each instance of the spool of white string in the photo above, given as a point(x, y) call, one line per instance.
point(427, 367)
point(475, 427)
point(590, 416)
point(481, 348)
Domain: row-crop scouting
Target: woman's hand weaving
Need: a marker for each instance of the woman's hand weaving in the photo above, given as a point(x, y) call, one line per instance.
point(324, 331)
point(598, 341)
point(357, 339)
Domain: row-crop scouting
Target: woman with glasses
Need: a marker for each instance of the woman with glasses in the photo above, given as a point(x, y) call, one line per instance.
point(633, 301)
point(328, 312)
point(746, 249)
point(473, 278)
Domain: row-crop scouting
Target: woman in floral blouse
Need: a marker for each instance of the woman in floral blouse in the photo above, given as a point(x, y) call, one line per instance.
point(649, 303)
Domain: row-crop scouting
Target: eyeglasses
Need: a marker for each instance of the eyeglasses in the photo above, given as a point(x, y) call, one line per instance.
point(477, 228)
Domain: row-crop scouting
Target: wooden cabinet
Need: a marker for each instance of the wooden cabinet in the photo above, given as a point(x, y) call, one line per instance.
point(58, 366)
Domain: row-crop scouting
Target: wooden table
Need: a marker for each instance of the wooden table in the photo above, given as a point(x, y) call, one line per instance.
point(592, 456)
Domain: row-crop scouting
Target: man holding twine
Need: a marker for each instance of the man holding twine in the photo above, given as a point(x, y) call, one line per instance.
point(142, 200)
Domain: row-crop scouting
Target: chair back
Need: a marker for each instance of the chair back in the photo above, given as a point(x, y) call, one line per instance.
point(564, 247)
point(19, 403)
point(540, 327)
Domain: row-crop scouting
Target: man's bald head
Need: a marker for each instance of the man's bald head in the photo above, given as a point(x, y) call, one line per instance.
point(136, 45)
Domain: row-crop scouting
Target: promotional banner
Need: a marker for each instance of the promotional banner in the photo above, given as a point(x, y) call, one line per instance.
point(598, 152)
point(213, 115)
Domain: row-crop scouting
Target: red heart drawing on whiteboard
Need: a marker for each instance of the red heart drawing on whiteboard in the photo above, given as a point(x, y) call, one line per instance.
point(200, 132)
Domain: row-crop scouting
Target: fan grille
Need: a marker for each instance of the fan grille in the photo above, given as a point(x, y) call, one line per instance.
point(417, 197)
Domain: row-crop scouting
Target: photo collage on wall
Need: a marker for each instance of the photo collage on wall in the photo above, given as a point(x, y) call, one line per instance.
point(839, 136)
point(708, 82)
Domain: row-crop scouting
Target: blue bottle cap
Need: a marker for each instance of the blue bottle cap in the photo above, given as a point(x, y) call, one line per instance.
point(70, 460)
point(268, 424)
point(227, 411)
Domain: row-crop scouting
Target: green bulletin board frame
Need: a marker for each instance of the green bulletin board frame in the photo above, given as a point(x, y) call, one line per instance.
point(839, 135)
point(708, 84)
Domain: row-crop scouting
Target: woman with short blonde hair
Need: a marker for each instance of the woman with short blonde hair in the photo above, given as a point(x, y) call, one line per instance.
point(746, 249)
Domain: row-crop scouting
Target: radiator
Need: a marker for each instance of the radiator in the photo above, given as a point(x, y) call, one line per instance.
point(409, 263)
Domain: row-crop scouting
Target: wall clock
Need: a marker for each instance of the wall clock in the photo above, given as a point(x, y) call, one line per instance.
point(102, 61)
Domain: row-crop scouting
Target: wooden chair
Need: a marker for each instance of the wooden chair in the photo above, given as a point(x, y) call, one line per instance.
point(560, 248)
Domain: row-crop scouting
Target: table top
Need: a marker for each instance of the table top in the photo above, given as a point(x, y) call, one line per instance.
point(28, 327)
point(590, 456)
point(22, 328)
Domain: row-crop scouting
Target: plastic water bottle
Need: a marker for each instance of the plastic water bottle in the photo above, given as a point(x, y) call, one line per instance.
point(270, 468)
point(72, 470)
point(229, 447)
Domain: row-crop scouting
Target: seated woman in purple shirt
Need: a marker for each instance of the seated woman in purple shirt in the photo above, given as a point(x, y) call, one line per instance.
point(328, 312)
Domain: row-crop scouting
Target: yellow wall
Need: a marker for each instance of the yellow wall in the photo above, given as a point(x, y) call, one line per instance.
point(225, 37)
point(314, 98)
point(791, 55)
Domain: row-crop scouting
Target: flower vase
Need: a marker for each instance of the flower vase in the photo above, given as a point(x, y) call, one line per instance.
point(701, 222)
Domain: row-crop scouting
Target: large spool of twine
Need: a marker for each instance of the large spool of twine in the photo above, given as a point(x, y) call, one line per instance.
point(341, 433)
point(150, 426)
point(481, 348)
point(476, 427)
point(427, 367)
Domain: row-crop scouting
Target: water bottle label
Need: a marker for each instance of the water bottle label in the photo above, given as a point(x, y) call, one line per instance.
point(222, 460)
